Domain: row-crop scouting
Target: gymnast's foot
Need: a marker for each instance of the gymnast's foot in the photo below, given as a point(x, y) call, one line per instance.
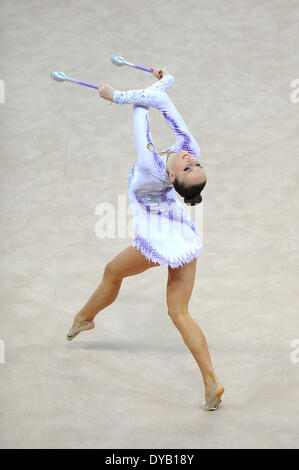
point(79, 324)
point(213, 393)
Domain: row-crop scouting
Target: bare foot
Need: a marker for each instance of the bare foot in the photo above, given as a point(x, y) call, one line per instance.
point(79, 324)
point(213, 395)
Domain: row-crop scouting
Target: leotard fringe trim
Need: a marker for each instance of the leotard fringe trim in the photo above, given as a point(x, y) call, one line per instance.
point(152, 255)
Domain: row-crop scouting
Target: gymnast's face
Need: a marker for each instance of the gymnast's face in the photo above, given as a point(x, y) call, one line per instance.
point(185, 168)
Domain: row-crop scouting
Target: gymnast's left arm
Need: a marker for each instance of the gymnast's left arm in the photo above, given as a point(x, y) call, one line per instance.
point(136, 96)
point(156, 97)
point(149, 96)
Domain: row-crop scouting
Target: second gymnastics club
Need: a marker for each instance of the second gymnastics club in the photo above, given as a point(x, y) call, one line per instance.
point(119, 61)
point(61, 77)
point(116, 60)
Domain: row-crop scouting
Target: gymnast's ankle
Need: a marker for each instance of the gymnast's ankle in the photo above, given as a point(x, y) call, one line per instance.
point(82, 319)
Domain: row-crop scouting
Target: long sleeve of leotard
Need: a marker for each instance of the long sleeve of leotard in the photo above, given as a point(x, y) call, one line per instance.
point(155, 96)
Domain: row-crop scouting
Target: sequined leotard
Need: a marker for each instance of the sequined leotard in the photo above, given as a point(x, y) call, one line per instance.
point(164, 232)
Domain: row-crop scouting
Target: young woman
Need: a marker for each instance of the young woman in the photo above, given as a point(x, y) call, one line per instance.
point(165, 234)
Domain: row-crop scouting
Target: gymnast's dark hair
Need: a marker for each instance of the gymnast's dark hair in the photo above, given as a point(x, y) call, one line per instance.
point(191, 194)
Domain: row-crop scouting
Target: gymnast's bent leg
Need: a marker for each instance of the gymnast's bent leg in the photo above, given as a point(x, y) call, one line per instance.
point(127, 263)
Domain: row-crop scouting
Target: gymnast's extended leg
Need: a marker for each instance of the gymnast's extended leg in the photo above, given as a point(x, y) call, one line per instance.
point(127, 263)
point(179, 289)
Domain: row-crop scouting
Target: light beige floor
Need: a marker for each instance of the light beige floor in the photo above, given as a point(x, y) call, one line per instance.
point(131, 382)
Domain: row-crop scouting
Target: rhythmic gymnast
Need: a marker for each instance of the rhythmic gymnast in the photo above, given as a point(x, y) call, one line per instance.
point(165, 234)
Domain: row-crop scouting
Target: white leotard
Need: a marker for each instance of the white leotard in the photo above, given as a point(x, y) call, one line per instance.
point(164, 232)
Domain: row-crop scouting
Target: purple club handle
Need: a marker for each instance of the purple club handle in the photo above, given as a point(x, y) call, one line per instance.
point(143, 68)
point(85, 84)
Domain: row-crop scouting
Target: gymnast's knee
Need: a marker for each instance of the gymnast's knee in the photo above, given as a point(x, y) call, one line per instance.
point(178, 313)
point(111, 274)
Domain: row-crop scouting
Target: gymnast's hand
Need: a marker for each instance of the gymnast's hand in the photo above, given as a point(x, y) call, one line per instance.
point(106, 92)
point(159, 73)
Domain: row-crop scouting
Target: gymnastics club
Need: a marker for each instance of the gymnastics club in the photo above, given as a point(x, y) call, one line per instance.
point(119, 61)
point(116, 60)
point(61, 77)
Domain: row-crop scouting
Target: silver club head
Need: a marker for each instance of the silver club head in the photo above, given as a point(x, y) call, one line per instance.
point(118, 60)
point(59, 76)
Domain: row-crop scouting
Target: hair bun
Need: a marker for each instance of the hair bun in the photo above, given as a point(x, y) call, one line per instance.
point(193, 201)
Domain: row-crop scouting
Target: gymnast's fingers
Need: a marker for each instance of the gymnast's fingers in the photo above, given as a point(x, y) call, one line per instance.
point(158, 73)
point(100, 86)
point(106, 92)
